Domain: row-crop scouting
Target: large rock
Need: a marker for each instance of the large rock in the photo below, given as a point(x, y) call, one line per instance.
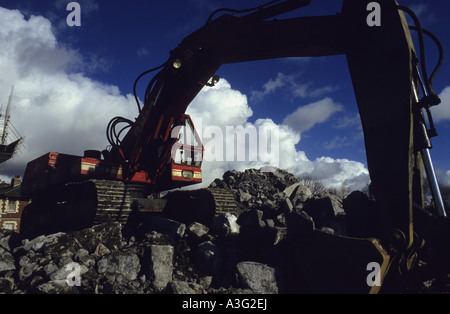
point(281, 179)
point(7, 261)
point(27, 268)
point(298, 193)
point(56, 287)
point(37, 243)
point(258, 277)
point(183, 287)
point(197, 229)
point(6, 285)
point(4, 242)
point(323, 209)
point(159, 259)
point(165, 225)
point(121, 263)
point(224, 224)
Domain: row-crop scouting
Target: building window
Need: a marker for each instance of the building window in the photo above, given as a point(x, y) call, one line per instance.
point(12, 206)
point(9, 225)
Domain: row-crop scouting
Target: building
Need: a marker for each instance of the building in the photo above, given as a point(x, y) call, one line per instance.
point(12, 204)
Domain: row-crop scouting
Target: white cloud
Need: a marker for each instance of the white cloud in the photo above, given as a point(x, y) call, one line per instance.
point(272, 85)
point(337, 142)
point(58, 109)
point(443, 177)
point(54, 108)
point(222, 106)
point(348, 121)
point(305, 117)
point(319, 92)
point(340, 172)
point(442, 111)
point(302, 90)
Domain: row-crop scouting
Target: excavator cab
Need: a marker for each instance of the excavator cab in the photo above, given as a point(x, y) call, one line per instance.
point(183, 168)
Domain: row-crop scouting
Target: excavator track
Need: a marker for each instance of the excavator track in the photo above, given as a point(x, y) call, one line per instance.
point(113, 202)
point(224, 201)
point(79, 205)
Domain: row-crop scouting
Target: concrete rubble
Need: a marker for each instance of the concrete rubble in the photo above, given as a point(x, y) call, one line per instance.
point(243, 253)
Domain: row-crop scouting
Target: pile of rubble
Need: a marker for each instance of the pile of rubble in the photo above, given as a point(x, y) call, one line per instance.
point(243, 253)
point(100, 260)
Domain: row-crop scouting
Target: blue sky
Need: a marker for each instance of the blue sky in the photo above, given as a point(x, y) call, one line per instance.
point(70, 80)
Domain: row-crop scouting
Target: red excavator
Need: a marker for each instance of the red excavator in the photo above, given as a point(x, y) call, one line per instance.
point(148, 155)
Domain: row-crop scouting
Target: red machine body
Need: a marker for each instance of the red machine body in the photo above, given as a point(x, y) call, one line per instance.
point(55, 169)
